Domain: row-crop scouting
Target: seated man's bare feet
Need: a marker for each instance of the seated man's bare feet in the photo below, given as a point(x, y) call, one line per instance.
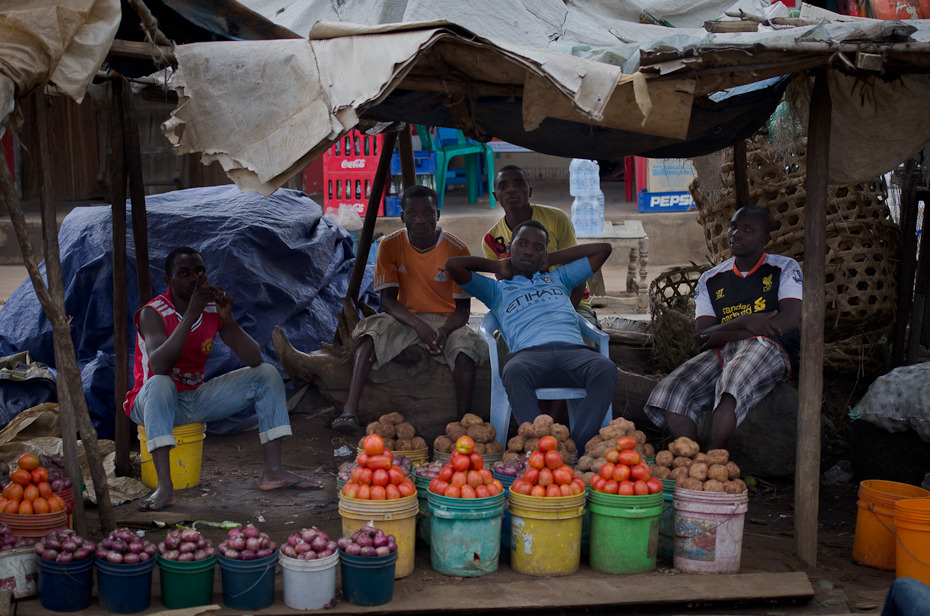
point(286, 480)
point(157, 500)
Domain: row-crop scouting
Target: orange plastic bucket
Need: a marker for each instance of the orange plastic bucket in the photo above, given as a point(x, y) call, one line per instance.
point(912, 530)
point(874, 544)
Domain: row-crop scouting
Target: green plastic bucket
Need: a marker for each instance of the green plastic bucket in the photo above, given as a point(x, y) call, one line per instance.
point(122, 588)
point(624, 532)
point(667, 521)
point(65, 587)
point(186, 584)
point(248, 584)
point(367, 580)
point(465, 534)
point(423, 523)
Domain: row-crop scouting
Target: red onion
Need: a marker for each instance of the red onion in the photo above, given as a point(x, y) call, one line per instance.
point(114, 557)
point(251, 532)
point(263, 553)
point(354, 549)
point(131, 559)
point(185, 557)
point(246, 555)
point(367, 551)
point(363, 540)
point(253, 544)
point(289, 551)
point(343, 542)
point(382, 551)
point(319, 544)
point(185, 545)
point(379, 541)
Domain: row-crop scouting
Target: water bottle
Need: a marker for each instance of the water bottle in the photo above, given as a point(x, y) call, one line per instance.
point(576, 177)
point(597, 214)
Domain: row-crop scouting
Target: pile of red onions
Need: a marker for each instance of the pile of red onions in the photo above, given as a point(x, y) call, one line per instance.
point(429, 471)
point(9, 541)
point(185, 545)
point(64, 546)
point(247, 543)
point(58, 478)
point(511, 468)
point(309, 544)
point(368, 541)
point(124, 546)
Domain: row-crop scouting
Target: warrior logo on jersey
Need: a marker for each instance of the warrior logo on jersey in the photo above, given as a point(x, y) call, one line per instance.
point(440, 275)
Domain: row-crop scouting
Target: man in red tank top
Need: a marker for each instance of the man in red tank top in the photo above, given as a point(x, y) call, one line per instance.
point(175, 336)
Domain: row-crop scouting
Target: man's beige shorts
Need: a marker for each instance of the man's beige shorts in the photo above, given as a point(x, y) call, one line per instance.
point(391, 337)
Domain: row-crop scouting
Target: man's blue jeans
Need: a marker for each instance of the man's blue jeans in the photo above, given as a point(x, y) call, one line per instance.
point(907, 597)
point(160, 407)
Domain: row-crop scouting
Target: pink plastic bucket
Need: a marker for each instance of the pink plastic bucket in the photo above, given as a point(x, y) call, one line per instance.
point(709, 531)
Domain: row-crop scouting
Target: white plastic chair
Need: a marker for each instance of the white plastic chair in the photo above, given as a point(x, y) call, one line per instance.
point(500, 404)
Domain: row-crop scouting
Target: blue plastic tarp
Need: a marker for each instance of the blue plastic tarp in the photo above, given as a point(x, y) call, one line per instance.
point(282, 261)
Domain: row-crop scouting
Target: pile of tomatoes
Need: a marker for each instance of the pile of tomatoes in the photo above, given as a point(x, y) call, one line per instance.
point(377, 477)
point(464, 475)
point(548, 475)
point(28, 492)
point(624, 473)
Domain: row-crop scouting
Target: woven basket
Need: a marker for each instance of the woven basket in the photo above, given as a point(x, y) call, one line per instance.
point(671, 304)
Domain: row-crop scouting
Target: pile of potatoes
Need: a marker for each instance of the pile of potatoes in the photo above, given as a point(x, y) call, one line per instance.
point(691, 469)
point(528, 435)
point(398, 435)
point(606, 439)
point(480, 431)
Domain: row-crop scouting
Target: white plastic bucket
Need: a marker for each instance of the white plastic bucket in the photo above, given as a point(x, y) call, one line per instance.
point(709, 531)
point(309, 584)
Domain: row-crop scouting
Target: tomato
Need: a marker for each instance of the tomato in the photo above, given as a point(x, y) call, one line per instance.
point(395, 475)
point(497, 483)
point(39, 475)
point(561, 477)
point(378, 493)
point(545, 477)
point(465, 445)
point(362, 459)
point(547, 443)
point(640, 471)
point(28, 461)
point(532, 476)
point(453, 492)
point(439, 487)
point(566, 490)
point(525, 489)
point(389, 455)
point(391, 491)
point(625, 443)
point(599, 483)
point(577, 485)
point(613, 455)
point(568, 469)
point(406, 489)
point(380, 478)
point(379, 461)
point(364, 478)
point(554, 491)
point(3, 501)
point(621, 473)
point(538, 491)
point(611, 487)
point(468, 491)
point(640, 488)
point(61, 502)
point(473, 478)
point(25, 508)
point(486, 476)
point(21, 477)
point(459, 479)
point(494, 488)
point(607, 470)
point(553, 459)
point(30, 493)
point(14, 492)
point(625, 488)
point(446, 473)
point(45, 490)
point(461, 462)
point(482, 492)
point(537, 459)
point(349, 489)
point(373, 445)
point(54, 506)
point(354, 477)
point(655, 485)
point(12, 506)
point(629, 457)
point(593, 480)
point(477, 461)
point(364, 492)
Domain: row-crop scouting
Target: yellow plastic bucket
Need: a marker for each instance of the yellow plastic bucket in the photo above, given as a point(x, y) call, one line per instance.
point(186, 458)
point(396, 517)
point(912, 529)
point(545, 533)
point(874, 544)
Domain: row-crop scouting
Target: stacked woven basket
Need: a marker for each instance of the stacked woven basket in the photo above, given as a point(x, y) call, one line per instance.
point(862, 248)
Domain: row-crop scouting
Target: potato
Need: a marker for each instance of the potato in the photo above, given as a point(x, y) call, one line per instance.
point(712, 485)
point(738, 486)
point(470, 419)
point(570, 446)
point(442, 444)
point(516, 443)
point(640, 436)
point(585, 463)
point(560, 432)
point(455, 431)
point(699, 457)
point(418, 442)
point(392, 418)
point(682, 461)
point(389, 443)
point(405, 431)
point(598, 463)
point(684, 446)
point(543, 420)
point(481, 448)
point(690, 483)
point(640, 450)
point(718, 456)
point(602, 448)
point(587, 477)
point(566, 457)
point(370, 428)
point(594, 442)
point(661, 472)
point(402, 444)
point(625, 425)
point(611, 433)
point(510, 455)
point(718, 472)
point(532, 444)
point(385, 430)
point(732, 471)
point(650, 450)
point(698, 470)
point(361, 443)
point(678, 473)
point(526, 430)
point(540, 430)
point(478, 433)
point(494, 447)
point(664, 458)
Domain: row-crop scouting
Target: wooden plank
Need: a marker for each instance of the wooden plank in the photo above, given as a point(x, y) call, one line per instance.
point(120, 293)
point(407, 165)
point(810, 390)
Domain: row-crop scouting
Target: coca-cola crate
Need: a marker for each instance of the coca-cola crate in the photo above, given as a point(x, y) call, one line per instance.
point(355, 152)
point(349, 189)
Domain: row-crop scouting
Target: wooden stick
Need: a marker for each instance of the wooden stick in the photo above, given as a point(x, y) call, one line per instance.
point(149, 24)
point(907, 259)
point(920, 288)
point(120, 300)
point(407, 164)
point(810, 394)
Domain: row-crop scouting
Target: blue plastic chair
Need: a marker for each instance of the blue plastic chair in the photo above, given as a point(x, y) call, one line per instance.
point(500, 404)
point(448, 148)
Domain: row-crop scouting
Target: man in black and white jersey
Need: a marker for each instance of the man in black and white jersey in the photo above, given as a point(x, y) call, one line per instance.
point(747, 312)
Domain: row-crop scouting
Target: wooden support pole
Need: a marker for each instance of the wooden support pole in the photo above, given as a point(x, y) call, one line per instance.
point(407, 166)
point(120, 299)
point(921, 286)
point(740, 173)
point(906, 263)
point(140, 233)
point(810, 391)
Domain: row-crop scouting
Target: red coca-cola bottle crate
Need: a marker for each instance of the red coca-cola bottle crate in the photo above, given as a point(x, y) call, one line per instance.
point(349, 189)
point(349, 170)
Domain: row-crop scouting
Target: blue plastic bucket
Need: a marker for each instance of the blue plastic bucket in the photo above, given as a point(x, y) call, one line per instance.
point(124, 589)
point(367, 580)
point(466, 534)
point(248, 584)
point(506, 539)
point(186, 584)
point(65, 587)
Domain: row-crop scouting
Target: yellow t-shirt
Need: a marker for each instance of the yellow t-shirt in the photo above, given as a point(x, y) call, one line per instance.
point(420, 275)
